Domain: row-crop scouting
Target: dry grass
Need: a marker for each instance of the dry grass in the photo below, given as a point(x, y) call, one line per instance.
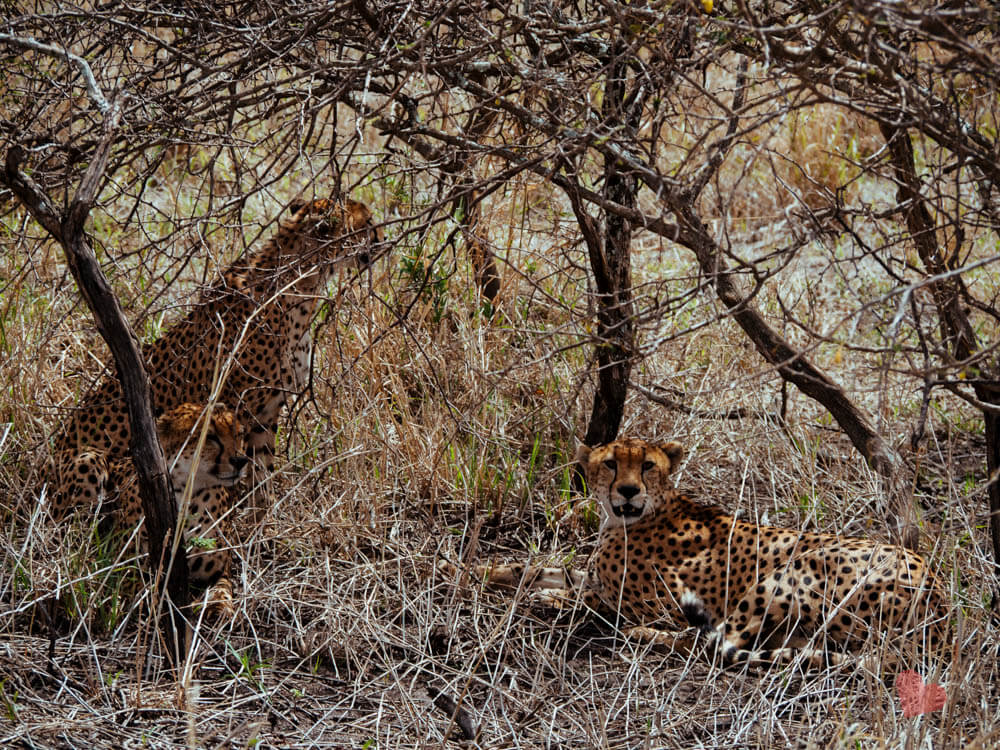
point(447, 434)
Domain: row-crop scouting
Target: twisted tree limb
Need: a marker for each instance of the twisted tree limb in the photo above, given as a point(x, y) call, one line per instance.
point(795, 368)
point(791, 364)
point(948, 294)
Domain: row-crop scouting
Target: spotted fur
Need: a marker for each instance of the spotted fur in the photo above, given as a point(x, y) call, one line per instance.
point(252, 326)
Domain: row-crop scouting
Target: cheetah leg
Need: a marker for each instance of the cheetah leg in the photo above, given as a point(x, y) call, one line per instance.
point(219, 600)
point(205, 532)
point(777, 610)
point(691, 607)
point(82, 481)
point(209, 555)
point(683, 642)
point(559, 588)
point(260, 446)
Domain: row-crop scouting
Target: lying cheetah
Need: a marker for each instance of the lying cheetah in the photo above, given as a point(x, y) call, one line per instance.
point(762, 594)
point(211, 472)
point(254, 322)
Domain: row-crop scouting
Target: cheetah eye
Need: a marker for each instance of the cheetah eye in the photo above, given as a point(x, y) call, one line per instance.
point(611, 464)
point(647, 465)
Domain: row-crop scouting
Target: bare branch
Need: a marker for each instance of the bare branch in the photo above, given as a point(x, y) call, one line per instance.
point(93, 90)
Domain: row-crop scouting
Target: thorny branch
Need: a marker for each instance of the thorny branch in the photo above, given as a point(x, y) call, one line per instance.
point(507, 97)
point(93, 90)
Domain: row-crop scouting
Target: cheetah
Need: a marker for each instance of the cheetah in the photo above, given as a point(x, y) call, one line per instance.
point(211, 470)
point(762, 595)
point(247, 342)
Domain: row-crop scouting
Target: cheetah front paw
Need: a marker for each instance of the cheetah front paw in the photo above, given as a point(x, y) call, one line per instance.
point(559, 599)
point(218, 601)
point(682, 642)
point(491, 575)
point(450, 572)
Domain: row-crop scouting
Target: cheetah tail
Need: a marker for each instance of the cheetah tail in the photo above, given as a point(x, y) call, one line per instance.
point(695, 612)
point(697, 616)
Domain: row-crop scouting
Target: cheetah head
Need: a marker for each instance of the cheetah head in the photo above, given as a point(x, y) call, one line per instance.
point(628, 476)
point(220, 462)
point(341, 228)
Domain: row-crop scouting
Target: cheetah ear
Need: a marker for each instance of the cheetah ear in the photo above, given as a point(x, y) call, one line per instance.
point(357, 215)
point(224, 421)
point(296, 205)
point(582, 454)
point(674, 451)
point(163, 423)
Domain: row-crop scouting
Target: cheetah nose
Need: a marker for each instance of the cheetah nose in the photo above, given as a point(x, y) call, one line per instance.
point(628, 491)
point(238, 462)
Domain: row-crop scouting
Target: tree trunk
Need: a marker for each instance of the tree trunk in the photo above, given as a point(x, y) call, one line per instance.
point(465, 205)
point(154, 484)
point(466, 212)
point(611, 264)
point(957, 333)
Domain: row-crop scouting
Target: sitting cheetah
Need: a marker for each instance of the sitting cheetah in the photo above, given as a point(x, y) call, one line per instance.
point(251, 330)
point(760, 593)
point(212, 471)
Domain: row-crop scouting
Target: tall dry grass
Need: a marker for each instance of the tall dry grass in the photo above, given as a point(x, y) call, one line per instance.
point(446, 432)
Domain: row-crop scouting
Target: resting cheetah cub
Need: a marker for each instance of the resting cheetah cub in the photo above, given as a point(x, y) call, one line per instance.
point(762, 594)
point(212, 472)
